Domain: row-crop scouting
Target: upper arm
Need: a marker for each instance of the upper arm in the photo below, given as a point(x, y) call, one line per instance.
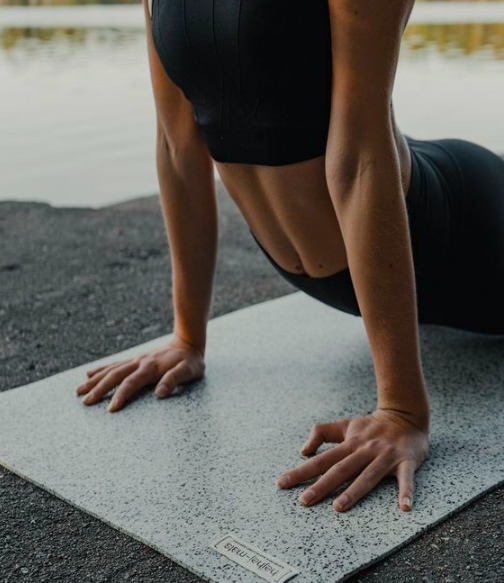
point(366, 37)
point(175, 114)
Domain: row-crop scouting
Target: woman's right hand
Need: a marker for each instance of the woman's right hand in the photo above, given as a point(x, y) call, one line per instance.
point(168, 367)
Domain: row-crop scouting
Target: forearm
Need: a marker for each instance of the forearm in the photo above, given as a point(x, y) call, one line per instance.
point(373, 218)
point(189, 209)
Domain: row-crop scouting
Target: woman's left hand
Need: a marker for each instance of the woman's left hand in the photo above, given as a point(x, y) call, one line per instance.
point(385, 442)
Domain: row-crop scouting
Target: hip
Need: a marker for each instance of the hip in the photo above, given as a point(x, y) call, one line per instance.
point(455, 208)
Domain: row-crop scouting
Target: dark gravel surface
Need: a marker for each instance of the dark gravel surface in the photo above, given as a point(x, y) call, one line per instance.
point(79, 284)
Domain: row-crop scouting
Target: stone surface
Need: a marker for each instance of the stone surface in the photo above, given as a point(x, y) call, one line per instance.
point(180, 473)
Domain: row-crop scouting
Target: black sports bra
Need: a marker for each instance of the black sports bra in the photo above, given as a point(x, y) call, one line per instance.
point(257, 72)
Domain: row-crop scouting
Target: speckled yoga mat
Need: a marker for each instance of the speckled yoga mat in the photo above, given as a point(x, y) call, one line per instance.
point(194, 476)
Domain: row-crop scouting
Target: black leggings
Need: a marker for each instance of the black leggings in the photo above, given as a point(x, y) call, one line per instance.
point(455, 207)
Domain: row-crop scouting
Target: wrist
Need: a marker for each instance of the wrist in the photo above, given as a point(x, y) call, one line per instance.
point(420, 420)
point(198, 343)
point(410, 398)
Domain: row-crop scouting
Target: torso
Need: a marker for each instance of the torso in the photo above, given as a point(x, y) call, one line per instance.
point(290, 211)
point(262, 100)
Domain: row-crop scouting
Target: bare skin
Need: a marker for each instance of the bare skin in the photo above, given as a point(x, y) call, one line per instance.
point(301, 214)
point(290, 210)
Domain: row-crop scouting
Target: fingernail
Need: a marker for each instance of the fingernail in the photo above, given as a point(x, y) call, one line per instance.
point(406, 501)
point(112, 406)
point(161, 391)
point(341, 502)
point(307, 496)
point(283, 482)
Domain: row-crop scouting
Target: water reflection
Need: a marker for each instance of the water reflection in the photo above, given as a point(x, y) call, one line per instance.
point(459, 38)
point(30, 39)
point(77, 122)
point(66, 2)
point(466, 38)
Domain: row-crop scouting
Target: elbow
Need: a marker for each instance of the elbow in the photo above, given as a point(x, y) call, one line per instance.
point(162, 142)
point(342, 173)
point(357, 149)
point(169, 144)
point(182, 149)
point(348, 174)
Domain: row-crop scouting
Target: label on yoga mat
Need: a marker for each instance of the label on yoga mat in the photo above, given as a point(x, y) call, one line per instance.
point(254, 560)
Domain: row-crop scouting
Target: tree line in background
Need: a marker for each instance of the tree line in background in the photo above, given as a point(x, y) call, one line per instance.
point(63, 2)
point(73, 2)
point(466, 38)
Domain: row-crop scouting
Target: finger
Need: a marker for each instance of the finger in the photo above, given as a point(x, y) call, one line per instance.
point(85, 387)
point(371, 475)
point(182, 372)
point(336, 475)
point(320, 433)
point(405, 477)
point(314, 466)
point(108, 382)
point(142, 376)
point(93, 371)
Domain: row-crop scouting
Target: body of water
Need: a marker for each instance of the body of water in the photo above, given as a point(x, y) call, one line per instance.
point(77, 119)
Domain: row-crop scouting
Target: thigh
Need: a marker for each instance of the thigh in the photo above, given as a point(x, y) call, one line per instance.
point(436, 208)
point(475, 276)
point(482, 173)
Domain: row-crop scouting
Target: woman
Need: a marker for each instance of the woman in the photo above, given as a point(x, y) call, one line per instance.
point(292, 99)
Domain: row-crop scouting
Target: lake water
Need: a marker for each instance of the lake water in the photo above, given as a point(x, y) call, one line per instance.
point(77, 121)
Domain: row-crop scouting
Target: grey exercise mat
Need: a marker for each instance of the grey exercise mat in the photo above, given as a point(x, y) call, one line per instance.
point(183, 473)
